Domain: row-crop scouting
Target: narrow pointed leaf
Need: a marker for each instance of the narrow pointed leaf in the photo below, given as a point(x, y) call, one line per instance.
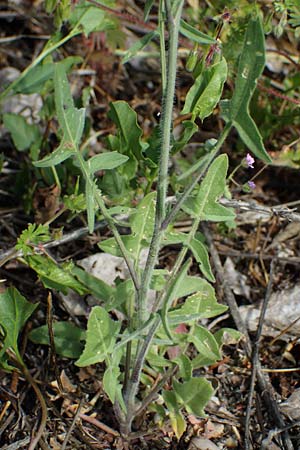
point(138, 46)
point(130, 132)
point(250, 135)
point(195, 35)
point(201, 255)
point(251, 65)
point(59, 155)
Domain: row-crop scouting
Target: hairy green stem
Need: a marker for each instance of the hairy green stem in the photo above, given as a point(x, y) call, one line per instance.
point(160, 211)
point(162, 43)
point(162, 181)
point(135, 380)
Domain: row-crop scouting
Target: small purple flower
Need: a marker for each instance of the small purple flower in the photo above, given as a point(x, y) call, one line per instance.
point(250, 161)
point(251, 184)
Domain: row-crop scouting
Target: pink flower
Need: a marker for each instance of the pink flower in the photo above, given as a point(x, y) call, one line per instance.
point(250, 161)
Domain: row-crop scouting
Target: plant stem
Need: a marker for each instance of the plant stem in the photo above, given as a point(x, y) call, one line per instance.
point(160, 211)
point(110, 222)
point(135, 379)
point(162, 181)
point(162, 43)
point(45, 52)
point(164, 295)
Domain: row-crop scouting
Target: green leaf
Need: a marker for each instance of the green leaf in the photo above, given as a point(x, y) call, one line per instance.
point(15, 310)
point(59, 155)
point(195, 35)
point(206, 92)
point(33, 235)
point(70, 119)
point(36, 78)
point(156, 360)
point(197, 247)
point(106, 161)
point(189, 129)
point(201, 305)
point(111, 382)
point(94, 285)
point(251, 65)
point(110, 246)
point(227, 336)
point(177, 420)
point(142, 223)
point(185, 367)
point(23, 134)
point(205, 343)
point(147, 9)
point(90, 18)
point(204, 203)
point(139, 45)
point(111, 379)
point(55, 276)
point(67, 338)
point(102, 332)
point(194, 394)
point(130, 132)
point(189, 286)
point(250, 135)
point(201, 255)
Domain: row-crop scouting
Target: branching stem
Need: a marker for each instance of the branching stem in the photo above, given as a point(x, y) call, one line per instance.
point(162, 182)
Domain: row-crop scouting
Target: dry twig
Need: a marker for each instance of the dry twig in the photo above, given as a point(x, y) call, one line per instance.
point(265, 386)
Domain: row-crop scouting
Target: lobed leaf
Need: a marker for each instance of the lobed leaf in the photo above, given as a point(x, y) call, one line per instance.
point(200, 305)
point(251, 65)
point(204, 203)
point(193, 395)
point(205, 343)
point(101, 336)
